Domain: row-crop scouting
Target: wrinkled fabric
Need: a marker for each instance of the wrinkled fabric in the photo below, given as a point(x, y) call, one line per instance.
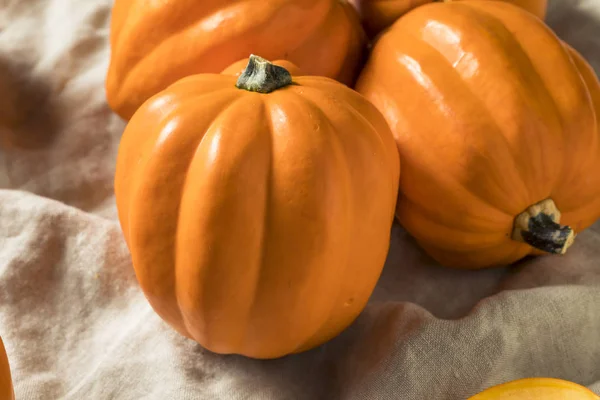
point(77, 326)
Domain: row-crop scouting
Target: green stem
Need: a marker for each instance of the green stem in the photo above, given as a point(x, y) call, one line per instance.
point(539, 226)
point(263, 76)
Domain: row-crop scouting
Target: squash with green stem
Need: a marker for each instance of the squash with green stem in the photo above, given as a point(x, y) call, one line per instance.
point(257, 208)
point(498, 133)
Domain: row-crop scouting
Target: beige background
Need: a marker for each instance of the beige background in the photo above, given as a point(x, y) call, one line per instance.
point(76, 326)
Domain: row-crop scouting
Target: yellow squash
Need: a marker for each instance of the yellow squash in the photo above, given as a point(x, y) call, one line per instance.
point(537, 389)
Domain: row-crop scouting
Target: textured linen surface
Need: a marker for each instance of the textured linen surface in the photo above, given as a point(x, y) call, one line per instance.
point(76, 326)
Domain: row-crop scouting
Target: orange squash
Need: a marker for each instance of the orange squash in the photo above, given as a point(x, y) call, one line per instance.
point(497, 129)
point(257, 211)
point(6, 388)
point(380, 14)
point(537, 389)
point(153, 44)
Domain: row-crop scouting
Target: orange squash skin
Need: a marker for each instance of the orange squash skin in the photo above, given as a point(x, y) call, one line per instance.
point(6, 388)
point(380, 14)
point(258, 224)
point(537, 388)
point(486, 126)
point(155, 43)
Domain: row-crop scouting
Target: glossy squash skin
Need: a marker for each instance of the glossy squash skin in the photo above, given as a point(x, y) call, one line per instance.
point(155, 43)
point(380, 14)
point(537, 389)
point(6, 388)
point(495, 132)
point(258, 223)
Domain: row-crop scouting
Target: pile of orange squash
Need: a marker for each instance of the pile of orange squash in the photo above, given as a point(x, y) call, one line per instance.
point(257, 197)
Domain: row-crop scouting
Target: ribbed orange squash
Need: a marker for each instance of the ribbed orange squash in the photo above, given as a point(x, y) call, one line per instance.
point(379, 14)
point(6, 388)
point(497, 129)
point(537, 389)
point(257, 213)
point(155, 43)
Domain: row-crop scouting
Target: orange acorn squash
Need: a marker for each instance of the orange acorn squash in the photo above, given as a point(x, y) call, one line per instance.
point(379, 14)
point(537, 389)
point(6, 388)
point(257, 211)
point(497, 129)
point(153, 44)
